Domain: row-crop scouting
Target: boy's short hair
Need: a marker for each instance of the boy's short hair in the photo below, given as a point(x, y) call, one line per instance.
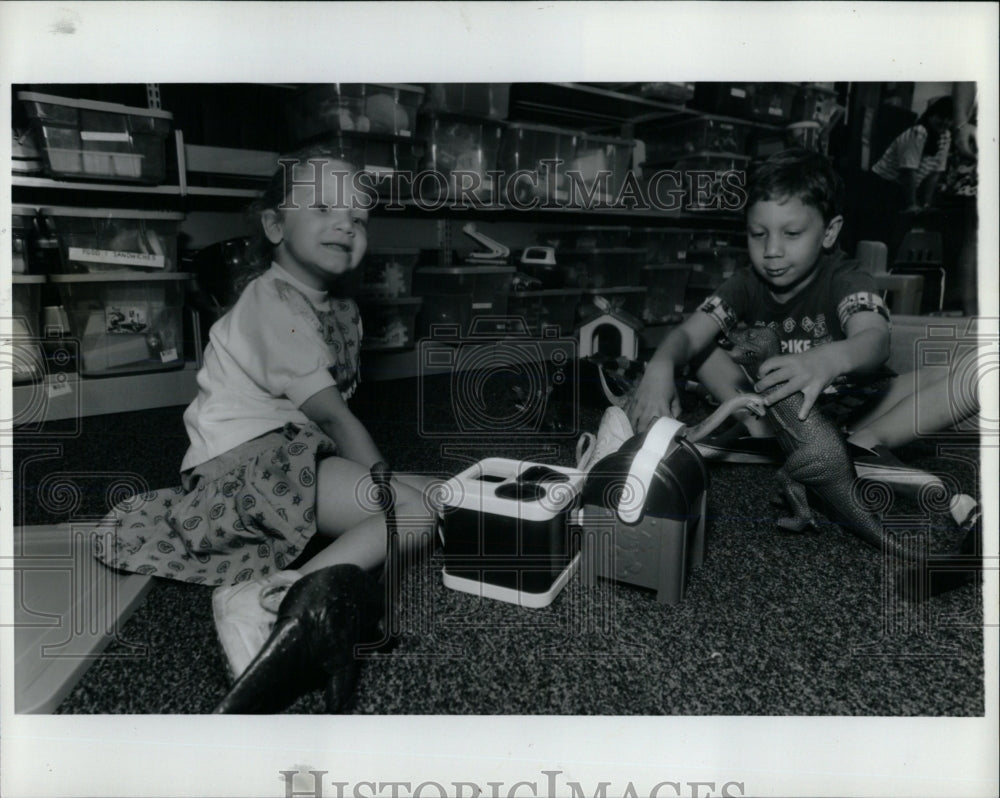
point(801, 173)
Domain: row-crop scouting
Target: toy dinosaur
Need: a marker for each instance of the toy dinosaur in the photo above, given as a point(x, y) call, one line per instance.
point(816, 457)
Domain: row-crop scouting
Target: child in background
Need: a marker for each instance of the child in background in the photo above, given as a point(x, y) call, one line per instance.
point(833, 325)
point(276, 455)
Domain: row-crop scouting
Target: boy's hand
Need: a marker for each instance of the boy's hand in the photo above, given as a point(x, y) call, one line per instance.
point(654, 397)
point(809, 372)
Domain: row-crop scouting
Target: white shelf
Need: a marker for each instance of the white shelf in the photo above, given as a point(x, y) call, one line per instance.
point(71, 396)
point(71, 185)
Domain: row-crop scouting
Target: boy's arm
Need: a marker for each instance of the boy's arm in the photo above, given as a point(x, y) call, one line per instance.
point(656, 394)
point(330, 412)
point(865, 349)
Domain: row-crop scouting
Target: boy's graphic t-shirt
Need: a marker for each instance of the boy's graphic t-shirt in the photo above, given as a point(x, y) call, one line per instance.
point(814, 317)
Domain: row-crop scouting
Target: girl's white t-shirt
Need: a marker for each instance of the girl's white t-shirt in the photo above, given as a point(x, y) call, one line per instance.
point(281, 343)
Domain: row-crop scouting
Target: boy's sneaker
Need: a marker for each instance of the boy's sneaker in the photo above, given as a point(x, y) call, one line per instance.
point(614, 430)
point(245, 614)
point(734, 445)
point(878, 464)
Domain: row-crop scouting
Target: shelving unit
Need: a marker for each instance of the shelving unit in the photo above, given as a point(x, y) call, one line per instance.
point(210, 178)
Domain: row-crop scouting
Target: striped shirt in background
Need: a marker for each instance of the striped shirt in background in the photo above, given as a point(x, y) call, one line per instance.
point(906, 152)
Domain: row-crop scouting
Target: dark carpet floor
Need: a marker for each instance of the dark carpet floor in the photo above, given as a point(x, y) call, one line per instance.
point(772, 623)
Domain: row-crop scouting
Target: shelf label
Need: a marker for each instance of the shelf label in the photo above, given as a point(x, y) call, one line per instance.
point(776, 110)
point(169, 355)
point(59, 386)
point(101, 135)
point(736, 91)
point(85, 255)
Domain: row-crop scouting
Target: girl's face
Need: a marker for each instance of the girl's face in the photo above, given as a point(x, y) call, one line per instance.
point(320, 233)
point(785, 239)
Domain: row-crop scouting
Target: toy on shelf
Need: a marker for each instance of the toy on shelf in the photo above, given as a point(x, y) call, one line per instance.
point(603, 325)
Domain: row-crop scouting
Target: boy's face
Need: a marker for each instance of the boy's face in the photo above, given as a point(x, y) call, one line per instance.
point(785, 239)
point(316, 244)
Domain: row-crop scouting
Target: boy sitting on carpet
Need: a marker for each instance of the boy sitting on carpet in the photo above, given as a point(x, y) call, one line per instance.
point(833, 325)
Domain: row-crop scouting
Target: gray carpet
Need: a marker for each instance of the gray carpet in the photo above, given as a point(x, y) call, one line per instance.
point(772, 624)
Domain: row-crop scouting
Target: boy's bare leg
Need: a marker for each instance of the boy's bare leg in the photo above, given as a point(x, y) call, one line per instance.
point(940, 406)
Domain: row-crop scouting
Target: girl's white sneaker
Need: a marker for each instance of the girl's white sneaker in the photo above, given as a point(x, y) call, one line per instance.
point(245, 614)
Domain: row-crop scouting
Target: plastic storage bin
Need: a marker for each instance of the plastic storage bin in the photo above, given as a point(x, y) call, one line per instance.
point(389, 324)
point(483, 289)
point(524, 151)
point(489, 100)
point(96, 240)
point(625, 298)
point(547, 307)
point(598, 268)
point(701, 134)
point(98, 140)
point(386, 274)
point(24, 233)
point(595, 157)
point(460, 150)
point(27, 362)
point(590, 237)
point(508, 532)
point(667, 92)
point(713, 181)
point(380, 108)
point(663, 244)
point(814, 102)
point(379, 155)
point(666, 284)
point(772, 102)
point(125, 322)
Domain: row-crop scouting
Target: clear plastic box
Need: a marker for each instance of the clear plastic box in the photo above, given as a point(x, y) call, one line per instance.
point(773, 102)
point(389, 324)
point(99, 240)
point(487, 285)
point(386, 273)
point(595, 157)
point(23, 235)
point(590, 237)
point(627, 298)
point(524, 149)
point(713, 181)
point(667, 92)
point(663, 244)
point(664, 299)
point(26, 359)
point(490, 100)
point(381, 108)
point(125, 323)
point(98, 140)
point(381, 156)
point(460, 150)
point(555, 307)
point(701, 134)
point(598, 268)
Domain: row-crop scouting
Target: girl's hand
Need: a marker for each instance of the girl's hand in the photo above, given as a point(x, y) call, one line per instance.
point(655, 396)
point(809, 372)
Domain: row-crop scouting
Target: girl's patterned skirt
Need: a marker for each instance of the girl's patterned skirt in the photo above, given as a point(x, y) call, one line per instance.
point(239, 516)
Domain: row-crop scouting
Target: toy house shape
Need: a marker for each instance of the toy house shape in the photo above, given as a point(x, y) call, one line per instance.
point(608, 331)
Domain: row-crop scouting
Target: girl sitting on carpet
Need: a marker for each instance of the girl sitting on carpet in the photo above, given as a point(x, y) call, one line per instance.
point(276, 455)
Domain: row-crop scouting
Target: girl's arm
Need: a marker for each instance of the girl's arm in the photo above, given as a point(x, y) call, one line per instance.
point(330, 412)
point(865, 349)
point(908, 181)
